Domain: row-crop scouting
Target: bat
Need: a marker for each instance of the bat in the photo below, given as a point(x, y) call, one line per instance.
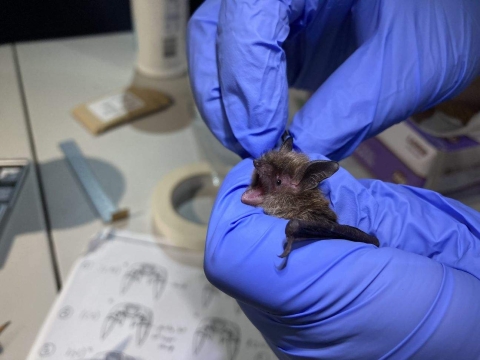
point(285, 184)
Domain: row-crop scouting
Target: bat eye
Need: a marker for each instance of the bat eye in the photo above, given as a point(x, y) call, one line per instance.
point(279, 182)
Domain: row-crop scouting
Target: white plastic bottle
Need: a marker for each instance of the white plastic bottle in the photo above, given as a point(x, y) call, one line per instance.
point(160, 27)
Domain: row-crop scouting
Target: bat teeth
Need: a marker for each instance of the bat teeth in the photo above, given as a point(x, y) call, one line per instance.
point(142, 332)
point(231, 346)
point(158, 286)
point(153, 276)
point(226, 332)
point(198, 341)
point(108, 326)
point(137, 318)
point(126, 283)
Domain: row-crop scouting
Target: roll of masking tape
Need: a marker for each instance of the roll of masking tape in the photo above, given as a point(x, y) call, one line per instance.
point(182, 203)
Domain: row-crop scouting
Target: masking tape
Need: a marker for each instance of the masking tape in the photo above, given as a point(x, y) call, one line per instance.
point(177, 186)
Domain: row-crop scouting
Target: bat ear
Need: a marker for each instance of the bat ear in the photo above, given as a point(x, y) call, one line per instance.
point(287, 145)
point(316, 172)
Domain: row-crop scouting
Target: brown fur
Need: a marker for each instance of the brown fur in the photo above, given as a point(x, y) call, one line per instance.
point(285, 184)
point(309, 205)
point(290, 200)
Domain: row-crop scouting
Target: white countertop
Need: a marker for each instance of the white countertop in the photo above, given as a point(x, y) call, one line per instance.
point(27, 279)
point(128, 161)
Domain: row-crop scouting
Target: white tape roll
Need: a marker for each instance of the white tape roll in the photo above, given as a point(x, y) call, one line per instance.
point(191, 191)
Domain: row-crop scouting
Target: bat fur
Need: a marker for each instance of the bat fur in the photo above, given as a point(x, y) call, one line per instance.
point(285, 184)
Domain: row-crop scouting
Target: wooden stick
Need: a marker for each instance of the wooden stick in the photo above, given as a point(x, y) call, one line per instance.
point(4, 326)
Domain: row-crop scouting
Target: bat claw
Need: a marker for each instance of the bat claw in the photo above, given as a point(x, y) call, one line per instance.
point(287, 248)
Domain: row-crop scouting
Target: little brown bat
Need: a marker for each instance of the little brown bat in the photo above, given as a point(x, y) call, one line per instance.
point(285, 185)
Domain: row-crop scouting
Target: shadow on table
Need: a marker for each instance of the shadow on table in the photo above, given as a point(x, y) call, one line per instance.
point(69, 208)
point(25, 218)
point(176, 117)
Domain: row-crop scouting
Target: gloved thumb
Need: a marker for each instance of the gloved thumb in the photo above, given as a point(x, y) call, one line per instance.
point(404, 65)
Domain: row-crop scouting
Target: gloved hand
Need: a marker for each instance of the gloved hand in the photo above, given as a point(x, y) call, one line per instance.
point(415, 297)
point(372, 63)
point(377, 62)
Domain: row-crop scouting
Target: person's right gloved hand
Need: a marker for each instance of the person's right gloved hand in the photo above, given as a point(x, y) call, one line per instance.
point(415, 297)
point(371, 64)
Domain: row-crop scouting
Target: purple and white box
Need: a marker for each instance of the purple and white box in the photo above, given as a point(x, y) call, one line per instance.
point(407, 154)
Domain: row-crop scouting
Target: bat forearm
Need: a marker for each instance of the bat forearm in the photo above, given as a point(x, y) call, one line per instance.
point(322, 229)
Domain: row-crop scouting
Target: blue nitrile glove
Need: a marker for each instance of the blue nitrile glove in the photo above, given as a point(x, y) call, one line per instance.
point(415, 297)
point(377, 61)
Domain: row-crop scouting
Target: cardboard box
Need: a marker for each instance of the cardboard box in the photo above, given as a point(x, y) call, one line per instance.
point(438, 149)
point(412, 152)
point(406, 154)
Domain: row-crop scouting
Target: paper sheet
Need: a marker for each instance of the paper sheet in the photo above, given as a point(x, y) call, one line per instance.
point(128, 300)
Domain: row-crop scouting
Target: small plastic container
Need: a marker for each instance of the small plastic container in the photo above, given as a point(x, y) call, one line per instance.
point(160, 27)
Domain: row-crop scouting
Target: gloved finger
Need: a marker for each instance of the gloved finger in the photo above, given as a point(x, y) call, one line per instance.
point(416, 220)
point(426, 223)
point(201, 49)
point(252, 69)
point(341, 303)
point(329, 290)
point(247, 237)
point(394, 73)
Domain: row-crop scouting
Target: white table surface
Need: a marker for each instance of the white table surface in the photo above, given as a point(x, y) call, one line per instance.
point(27, 282)
point(128, 161)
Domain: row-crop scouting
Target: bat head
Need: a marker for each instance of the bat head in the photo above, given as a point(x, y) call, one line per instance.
point(283, 174)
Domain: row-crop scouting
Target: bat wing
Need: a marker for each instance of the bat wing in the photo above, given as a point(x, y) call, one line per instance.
point(321, 229)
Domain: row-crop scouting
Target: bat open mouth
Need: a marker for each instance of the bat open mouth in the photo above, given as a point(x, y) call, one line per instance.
point(254, 194)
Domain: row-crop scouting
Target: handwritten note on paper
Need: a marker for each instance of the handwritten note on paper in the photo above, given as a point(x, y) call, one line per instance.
point(128, 300)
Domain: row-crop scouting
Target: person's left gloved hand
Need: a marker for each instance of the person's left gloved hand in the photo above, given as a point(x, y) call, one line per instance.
point(370, 64)
point(415, 297)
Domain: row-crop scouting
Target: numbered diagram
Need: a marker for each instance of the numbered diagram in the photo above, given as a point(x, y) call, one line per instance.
point(65, 312)
point(47, 350)
point(220, 332)
point(131, 317)
point(145, 274)
point(113, 355)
